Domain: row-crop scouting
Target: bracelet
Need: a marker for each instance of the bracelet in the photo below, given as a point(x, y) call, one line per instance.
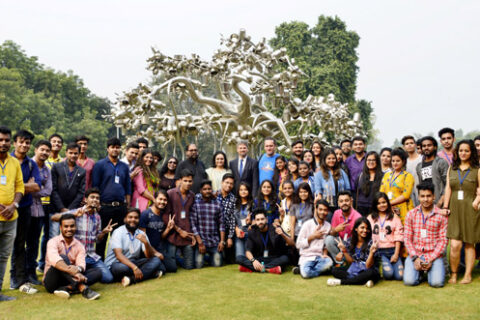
point(252, 260)
point(135, 269)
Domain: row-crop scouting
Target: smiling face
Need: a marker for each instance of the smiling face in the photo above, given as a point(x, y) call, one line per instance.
point(131, 154)
point(93, 200)
point(330, 161)
point(371, 162)
point(288, 189)
point(42, 152)
point(303, 194)
point(308, 157)
point(345, 203)
point(242, 150)
point(219, 161)
point(269, 147)
point(160, 201)
point(382, 205)
point(321, 212)
point(303, 170)
point(5, 143)
point(132, 219)
point(386, 158)
point(292, 167)
point(316, 149)
point(172, 164)
point(22, 145)
point(280, 164)
point(464, 152)
point(297, 149)
point(358, 146)
point(339, 154)
point(243, 192)
point(68, 228)
point(362, 230)
point(397, 163)
point(56, 143)
point(266, 188)
point(192, 152)
point(227, 185)
point(113, 151)
point(148, 159)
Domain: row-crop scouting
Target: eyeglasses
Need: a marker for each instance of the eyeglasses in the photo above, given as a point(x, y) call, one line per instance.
point(174, 162)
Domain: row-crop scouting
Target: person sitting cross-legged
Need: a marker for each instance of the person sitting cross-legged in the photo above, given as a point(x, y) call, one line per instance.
point(266, 247)
point(65, 264)
point(124, 253)
point(314, 258)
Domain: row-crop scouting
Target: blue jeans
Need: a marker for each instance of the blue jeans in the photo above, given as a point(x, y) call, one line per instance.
point(390, 271)
point(8, 230)
point(332, 247)
point(107, 276)
point(240, 246)
point(212, 255)
point(436, 274)
point(311, 269)
point(187, 253)
point(149, 267)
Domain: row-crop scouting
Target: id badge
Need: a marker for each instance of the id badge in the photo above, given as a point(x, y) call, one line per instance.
point(244, 222)
point(423, 233)
point(460, 195)
point(117, 179)
point(3, 180)
point(300, 222)
point(345, 237)
point(265, 253)
point(382, 236)
point(390, 195)
point(183, 214)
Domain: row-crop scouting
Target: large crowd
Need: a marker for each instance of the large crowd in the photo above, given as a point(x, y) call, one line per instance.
point(359, 216)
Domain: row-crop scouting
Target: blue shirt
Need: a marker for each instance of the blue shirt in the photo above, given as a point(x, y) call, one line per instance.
point(327, 187)
point(154, 227)
point(29, 170)
point(122, 239)
point(266, 165)
point(103, 177)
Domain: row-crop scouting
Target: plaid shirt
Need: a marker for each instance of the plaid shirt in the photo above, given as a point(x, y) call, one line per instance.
point(206, 220)
point(434, 244)
point(228, 212)
point(89, 226)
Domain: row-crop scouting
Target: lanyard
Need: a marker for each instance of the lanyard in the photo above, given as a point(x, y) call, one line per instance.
point(183, 202)
point(132, 237)
point(424, 219)
point(67, 250)
point(4, 166)
point(264, 240)
point(464, 177)
point(392, 181)
point(243, 209)
point(382, 223)
point(266, 205)
point(446, 156)
point(302, 208)
point(115, 168)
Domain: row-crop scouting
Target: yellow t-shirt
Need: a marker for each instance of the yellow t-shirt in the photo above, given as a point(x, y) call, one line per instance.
point(49, 163)
point(11, 182)
point(398, 186)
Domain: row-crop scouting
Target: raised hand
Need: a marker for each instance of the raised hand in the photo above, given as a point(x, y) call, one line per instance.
point(109, 227)
point(171, 222)
point(142, 238)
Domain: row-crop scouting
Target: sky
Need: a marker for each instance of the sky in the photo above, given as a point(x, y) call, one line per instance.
point(418, 60)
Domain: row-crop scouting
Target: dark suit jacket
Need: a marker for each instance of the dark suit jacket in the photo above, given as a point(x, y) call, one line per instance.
point(249, 175)
point(67, 194)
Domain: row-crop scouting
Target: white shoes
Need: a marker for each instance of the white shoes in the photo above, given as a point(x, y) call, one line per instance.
point(27, 288)
point(369, 284)
point(160, 274)
point(126, 281)
point(333, 282)
point(62, 293)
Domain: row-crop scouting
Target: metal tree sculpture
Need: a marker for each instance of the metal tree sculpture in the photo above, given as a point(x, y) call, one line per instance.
point(233, 91)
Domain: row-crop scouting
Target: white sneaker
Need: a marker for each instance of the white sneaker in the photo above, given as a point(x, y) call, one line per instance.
point(62, 294)
point(160, 274)
point(126, 281)
point(369, 284)
point(333, 282)
point(27, 288)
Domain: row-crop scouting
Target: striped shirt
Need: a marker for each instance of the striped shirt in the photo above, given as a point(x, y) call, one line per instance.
point(206, 219)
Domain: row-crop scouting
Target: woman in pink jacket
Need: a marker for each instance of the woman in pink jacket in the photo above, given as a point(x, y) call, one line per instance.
point(146, 182)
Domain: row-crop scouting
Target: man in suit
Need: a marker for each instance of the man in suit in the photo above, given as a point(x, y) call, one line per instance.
point(68, 181)
point(244, 168)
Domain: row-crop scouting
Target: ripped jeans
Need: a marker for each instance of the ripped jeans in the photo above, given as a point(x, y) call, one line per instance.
point(390, 271)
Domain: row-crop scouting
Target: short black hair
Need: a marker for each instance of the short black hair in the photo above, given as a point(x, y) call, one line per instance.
point(426, 186)
point(161, 191)
point(188, 145)
point(344, 193)
point(5, 130)
point(474, 139)
point(186, 173)
point(399, 152)
point(113, 142)
point(386, 149)
point(345, 140)
point(228, 175)
point(322, 202)
point(434, 141)
point(204, 182)
point(81, 138)
point(359, 138)
point(55, 135)
point(442, 131)
point(73, 145)
point(259, 210)
point(271, 139)
point(67, 216)
point(133, 145)
point(91, 190)
point(419, 141)
point(131, 209)
point(157, 154)
point(142, 140)
point(408, 137)
point(43, 143)
point(27, 135)
point(297, 142)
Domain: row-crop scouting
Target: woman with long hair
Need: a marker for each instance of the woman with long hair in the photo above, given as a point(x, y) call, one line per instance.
point(217, 170)
point(462, 199)
point(386, 159)
point(167, 174)
point(339, 153)
point(243, 217)
point(398, 184)
point(292, 169)
point(331, 179)
point(145, 184)
point(280, 172)
point(288, 199)
point(302, 209)
point(388, 233)
point(268, 200)
point(309, 158)
point(368, 183)
point(317, 149)
point(360, 252)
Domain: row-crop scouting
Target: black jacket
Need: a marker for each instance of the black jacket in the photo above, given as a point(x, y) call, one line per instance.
point(67, 193)
point(249, 174)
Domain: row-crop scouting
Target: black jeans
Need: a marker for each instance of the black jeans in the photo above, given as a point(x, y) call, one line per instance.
point(17, 270)
point(33, 241)
point(117, 214)
point(47, 208)
point(55, 278)
point(362, 278)
point(269, 262)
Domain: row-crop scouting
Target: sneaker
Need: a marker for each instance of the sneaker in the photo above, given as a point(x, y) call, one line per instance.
point(62, 292)
point(13, 283)
point(89, 294)
point(369, 284)
point(6, 298)
point(126, 281)
point(276, 270)
point(160, 274)
point(333, 282)
point(39, 269)
point(244, 269)
point(27, 288)
point(296, 270)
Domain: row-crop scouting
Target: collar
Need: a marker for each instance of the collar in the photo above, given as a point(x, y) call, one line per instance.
point(26, 157)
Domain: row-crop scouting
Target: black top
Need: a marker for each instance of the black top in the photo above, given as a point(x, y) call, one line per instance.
point(276, 245)
point(68, 187)
point(426, 171)
point(198, 170)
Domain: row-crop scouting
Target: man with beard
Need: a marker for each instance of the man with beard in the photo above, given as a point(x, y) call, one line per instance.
point(65, 264)
point(410, 146)
point(266, 247)
point(112, 178)
point(433, 169)
point(89, 231)
point(195, 165)
point(343, 221)
point(39, 217)
point(314, 258)
point(447, 139)
point(356, 161)
point(346, 147)
point(22, 140)
point(476, 141)
point(11, 192)
point(297, 149)
point(227, 202)
point(126, 246)
point(83, 161)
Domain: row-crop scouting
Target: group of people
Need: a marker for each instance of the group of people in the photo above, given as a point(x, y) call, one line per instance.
point(358, 215)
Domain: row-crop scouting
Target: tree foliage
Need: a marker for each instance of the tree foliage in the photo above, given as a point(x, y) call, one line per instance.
point(46, 101)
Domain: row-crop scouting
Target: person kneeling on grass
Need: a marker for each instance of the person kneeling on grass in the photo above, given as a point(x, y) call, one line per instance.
point(360, 252)
point(124, 253)
point(65, 264)
point(314, 258)
point(266, 248)
point(425, 233)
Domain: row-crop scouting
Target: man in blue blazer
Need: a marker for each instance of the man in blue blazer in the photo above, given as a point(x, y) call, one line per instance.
point(244, 168)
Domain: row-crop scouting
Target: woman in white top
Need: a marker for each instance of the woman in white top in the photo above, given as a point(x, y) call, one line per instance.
point(288, 194)
point(218, 169)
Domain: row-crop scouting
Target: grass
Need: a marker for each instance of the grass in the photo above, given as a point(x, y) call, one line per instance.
point(225, 293)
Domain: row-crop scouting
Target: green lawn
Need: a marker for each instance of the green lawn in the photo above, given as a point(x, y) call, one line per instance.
point(225, 293)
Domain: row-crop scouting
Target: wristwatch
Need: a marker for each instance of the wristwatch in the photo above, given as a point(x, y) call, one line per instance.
point(16, 205)
point(252, 260)
point(224, 243)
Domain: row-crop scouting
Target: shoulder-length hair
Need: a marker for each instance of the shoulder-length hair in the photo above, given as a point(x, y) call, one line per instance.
point(364, 184)
point(225, 164)
point(354, 239)
point(374, 209)
point(249, 197)
point(473, 154)
point(325, 170)
point(306, 187)
point(276, 172)
point(272, 197)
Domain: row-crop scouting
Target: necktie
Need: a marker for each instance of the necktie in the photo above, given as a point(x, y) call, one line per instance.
point(241, 168)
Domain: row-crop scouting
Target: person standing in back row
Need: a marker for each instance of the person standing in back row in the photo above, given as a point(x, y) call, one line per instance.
point(447, 139)
point(266, 163)
point(244, 168)
point(195, 165)
point(356, 161)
